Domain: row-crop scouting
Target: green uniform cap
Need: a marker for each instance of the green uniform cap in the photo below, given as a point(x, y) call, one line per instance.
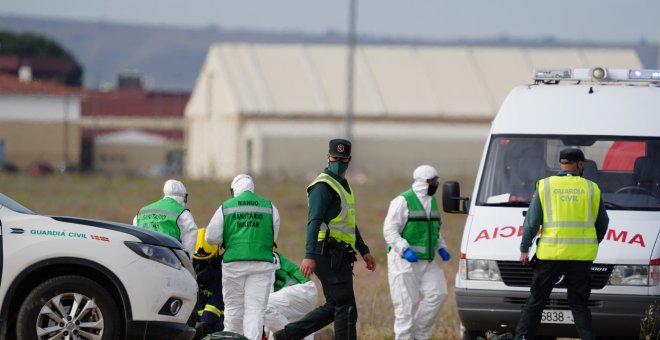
point(340, 148)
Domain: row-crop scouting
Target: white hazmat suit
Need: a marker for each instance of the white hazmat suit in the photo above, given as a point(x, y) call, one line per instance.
point(290, 304)
point(246, 285)
point(188, 229)
point(408, 279)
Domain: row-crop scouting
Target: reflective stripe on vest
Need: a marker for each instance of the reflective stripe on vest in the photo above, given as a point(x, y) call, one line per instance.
point(421, 231)
point(569, 206)
point(161, 216)
point(248, 228)
point(342, 227)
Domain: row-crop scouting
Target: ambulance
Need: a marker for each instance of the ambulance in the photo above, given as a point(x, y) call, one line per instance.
point(613, 116)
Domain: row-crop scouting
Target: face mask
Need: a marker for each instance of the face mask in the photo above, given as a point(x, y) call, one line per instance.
point(337, 167)
point(581, 169)
point(433, 186)
point(432, 189)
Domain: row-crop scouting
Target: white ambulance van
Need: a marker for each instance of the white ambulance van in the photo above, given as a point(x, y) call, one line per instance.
point(613, 115)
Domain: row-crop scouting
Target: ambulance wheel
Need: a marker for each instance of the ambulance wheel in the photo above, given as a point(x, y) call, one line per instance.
point(68, 307)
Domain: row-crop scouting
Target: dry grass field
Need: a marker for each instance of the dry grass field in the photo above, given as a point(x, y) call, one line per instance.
point(119, 198)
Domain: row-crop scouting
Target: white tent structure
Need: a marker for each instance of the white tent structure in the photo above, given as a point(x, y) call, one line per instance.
point(270, 109)
point(130, 151)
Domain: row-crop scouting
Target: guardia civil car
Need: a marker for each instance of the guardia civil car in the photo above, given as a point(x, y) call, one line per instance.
point(74, 278)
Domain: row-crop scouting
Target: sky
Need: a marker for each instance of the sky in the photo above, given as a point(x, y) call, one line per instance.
point(607, 21)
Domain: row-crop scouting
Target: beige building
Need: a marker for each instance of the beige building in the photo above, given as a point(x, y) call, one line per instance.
point(270, 109)
point(139, 115)
point(130, 152)
point(39, 123)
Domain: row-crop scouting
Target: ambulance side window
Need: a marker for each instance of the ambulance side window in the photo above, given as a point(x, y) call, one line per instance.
point(513, 166)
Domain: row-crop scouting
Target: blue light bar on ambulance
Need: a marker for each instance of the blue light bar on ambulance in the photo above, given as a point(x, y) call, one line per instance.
point(644, 74)
point(597, 74)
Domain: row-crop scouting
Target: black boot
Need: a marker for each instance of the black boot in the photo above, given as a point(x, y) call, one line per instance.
point(280, 335)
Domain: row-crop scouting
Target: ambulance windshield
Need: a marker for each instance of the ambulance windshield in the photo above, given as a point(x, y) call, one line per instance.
point(626, 170)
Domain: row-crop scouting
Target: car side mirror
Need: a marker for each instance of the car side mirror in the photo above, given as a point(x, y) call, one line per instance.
point(452, 202)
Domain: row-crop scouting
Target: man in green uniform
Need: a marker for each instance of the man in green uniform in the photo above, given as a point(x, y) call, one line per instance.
point(332, 238)
point(571, 213)
point(170, 216)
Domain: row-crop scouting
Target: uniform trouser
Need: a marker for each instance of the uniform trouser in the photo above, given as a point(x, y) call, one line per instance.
point(213, 312)
point(211, 303)
point(407, 280)
point(290, 304)
point(246, 286)
point(577, 275)
point(339, 304)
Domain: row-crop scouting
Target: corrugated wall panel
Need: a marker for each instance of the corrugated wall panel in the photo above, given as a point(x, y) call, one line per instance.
point(555, 58)
point(501, 69)
point(611, 58)
point(455, 81)
point(286, 79)
point(401, 81)
point(330, 64)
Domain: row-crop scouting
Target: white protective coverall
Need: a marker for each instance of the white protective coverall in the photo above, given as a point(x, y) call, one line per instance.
point(246, 285)
point(407, 280)
point(290, 304)
point(188, 229)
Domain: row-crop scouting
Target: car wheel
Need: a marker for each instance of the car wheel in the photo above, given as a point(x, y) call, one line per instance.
point(68, 307)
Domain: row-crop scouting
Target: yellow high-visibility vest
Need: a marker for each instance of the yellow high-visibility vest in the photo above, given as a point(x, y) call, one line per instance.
point(342, 226)
point(570, 206)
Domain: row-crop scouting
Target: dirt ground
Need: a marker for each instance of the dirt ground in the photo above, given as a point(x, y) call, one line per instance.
point(119, 198)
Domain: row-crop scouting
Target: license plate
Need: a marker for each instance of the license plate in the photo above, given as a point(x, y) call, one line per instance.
point(557, 316)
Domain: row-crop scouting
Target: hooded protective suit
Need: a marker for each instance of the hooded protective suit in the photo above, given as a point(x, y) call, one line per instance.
point(246, 284)
point(175, 190)
point(408, 279)
point(291, 302)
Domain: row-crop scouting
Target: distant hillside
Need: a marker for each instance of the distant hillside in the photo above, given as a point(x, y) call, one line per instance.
point(170, 57)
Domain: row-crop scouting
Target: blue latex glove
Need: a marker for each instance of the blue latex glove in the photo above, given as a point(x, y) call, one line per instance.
point(410, 255)
point(444, 254)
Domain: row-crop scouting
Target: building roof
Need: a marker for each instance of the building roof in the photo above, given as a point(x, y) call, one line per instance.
point(134, 103)
point(130, 137)
point(464, 83)
point(52, 69)
point(11, 84)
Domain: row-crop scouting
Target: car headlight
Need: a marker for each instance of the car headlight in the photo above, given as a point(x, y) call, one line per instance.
point(635, 275)
point(159, 254)
point(485, 270)
point(183, 257)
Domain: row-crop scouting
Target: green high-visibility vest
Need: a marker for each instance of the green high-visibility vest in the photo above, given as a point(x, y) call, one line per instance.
point(570, 205)
point(161, 216)
point(248, 228)
point(342, 226)
point(421, 231)
point(288, 275)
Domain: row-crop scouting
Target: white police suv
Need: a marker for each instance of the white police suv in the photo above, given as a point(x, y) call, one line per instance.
point(74, 278)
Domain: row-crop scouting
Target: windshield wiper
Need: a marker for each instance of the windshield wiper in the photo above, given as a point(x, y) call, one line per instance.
point(508, 204)
point(610, 205)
